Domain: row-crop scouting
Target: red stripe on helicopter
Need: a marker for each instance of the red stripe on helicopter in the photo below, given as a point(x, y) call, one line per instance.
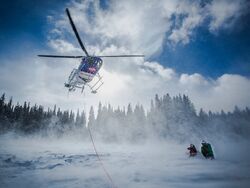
point(92, 70)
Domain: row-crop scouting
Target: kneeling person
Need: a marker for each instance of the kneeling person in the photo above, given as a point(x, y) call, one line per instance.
point(192, 150)
point(206, 150)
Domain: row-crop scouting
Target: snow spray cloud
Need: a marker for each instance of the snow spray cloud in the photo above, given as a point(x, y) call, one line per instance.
point(54, 162)
point(40, 162)
point(133, 156)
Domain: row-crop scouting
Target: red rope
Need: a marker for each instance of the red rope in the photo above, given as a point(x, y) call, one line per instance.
point(103, 167)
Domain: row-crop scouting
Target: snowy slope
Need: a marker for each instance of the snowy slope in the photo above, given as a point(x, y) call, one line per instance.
point(39, 162)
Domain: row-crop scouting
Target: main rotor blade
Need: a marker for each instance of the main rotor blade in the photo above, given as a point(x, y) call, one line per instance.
point(61, 56)
point(76, 33)
point(121, 56)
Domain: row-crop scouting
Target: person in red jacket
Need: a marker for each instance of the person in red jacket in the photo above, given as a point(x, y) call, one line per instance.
point(192, 150)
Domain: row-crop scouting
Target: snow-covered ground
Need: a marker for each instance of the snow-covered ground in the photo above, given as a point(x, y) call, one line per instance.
point(39, 162)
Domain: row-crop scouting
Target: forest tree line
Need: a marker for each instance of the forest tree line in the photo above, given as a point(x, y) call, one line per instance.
point(167, 117)
point(29, 119)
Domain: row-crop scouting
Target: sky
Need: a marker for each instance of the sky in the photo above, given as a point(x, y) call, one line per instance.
point(195, 47)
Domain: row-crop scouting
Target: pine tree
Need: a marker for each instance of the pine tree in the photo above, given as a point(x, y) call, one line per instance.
point(99, 116)
point(54, 111)
point(129, 110)
point(91, 121)
point(2, 101)
point(78, 119)
point(83, 119)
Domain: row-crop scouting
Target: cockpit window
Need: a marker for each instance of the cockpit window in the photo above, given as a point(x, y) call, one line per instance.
point(91, 65)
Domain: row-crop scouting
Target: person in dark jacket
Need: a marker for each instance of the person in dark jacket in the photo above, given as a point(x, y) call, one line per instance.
point(192, 150)
point(206, 150)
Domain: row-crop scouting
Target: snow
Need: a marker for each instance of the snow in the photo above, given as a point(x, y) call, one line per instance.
point(71, 162)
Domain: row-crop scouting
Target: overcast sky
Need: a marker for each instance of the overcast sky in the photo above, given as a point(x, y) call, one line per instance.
point(199, 48)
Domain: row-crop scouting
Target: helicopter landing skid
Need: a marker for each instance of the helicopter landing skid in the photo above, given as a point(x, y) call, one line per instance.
point(74, 83)
point(97, 85)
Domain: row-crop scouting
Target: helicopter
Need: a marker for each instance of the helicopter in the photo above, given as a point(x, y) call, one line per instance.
point(89, 66)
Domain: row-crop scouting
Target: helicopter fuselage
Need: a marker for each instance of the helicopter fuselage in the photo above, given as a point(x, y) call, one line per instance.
point(85, 73)
point(88, 68)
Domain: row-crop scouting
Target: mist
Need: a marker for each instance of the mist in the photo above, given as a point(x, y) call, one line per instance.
point(196, 59)
point(139, 148)
point(35, 161)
